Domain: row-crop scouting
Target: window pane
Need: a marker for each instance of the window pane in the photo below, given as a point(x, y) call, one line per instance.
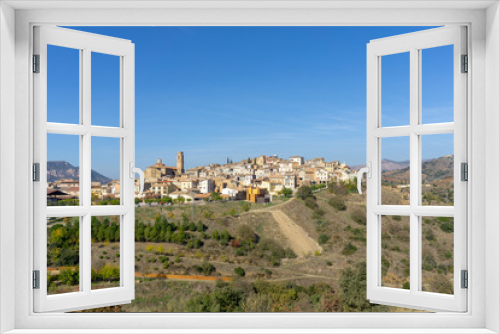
point(395, 90)
point(105, 252)
point(437, 254)
point(63, 85)
point(395, 261)
point(437, 169)
point(395, 168)
point(437, 84)
point(105, 90)
point(63, 255)
point(63, 171)
point(105, 171)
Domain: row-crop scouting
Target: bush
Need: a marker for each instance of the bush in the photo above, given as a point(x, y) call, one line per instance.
point(359, 216)
point(352, 291)
point(323, 239)
point(246, 234)
point(239, 271)
point(447, 227)
point(304, 192)
point(329, 263)
point(310, 202)
point(160, 250)
point(406, 285)
point(206, 268)
point(232, 212)
point(318, 213)
point(428, 262)
point(349, 249)
point(337, 203)
point(246, 206)
point(337, 188)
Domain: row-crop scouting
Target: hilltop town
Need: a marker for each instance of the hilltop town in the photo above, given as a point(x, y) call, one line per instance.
point(256, 179)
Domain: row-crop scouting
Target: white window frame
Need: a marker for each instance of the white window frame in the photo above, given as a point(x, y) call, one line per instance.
point(414, 43)
point(86, 44)
point(482, 19)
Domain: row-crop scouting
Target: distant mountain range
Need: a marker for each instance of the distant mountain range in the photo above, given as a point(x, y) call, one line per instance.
point(387, 165)
point(64, 170)
point(438, 169)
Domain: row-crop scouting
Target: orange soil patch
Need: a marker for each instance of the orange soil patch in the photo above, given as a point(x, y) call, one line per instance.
point(185, 277)
point(168, 276)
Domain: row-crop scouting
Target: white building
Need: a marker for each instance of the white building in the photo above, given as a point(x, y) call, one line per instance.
point(290, 181)
point(321, 176)
point(298, 160)
point(206, 186)
point(286, 167)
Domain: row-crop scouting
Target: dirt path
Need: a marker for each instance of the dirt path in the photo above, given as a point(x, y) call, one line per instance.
point(270, 208)
point(297, 238)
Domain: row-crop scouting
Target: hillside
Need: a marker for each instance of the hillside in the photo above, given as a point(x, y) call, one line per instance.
point(432, 170)
point(64, 170)
point(386, 165)
point(255, 247)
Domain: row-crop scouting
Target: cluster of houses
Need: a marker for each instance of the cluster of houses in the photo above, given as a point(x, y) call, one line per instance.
point(255, 180)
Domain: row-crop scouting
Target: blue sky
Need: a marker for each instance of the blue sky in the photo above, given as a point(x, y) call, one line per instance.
point(238, 92)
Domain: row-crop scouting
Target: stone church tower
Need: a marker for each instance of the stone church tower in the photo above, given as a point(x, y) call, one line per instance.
point(180, 163)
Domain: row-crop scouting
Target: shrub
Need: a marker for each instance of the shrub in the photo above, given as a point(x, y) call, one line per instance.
point(206, 268)
point(428, 262)
point(232, 212)
point(165, 265)
point(329, 263)
point(359, 216)
point(447, 227)
point(246, 206)
point(239, 271)
point(337, 203)
point(352, 291)
point(160, 250)
point(406, 285)
point(349, 249)
point(150, 248)
point(246, 234)
point(304, 192)
point(323, 239)
point(310, 202)
point(318, 213)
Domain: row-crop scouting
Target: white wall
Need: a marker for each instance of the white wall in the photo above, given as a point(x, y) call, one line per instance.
point(492, 164)
point(7, 162)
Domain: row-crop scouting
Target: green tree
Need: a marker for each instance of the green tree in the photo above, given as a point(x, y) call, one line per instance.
point(304, 192)
point(286, 192)
point(239, 271)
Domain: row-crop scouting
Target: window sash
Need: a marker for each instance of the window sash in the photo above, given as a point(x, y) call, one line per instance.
point(86, 43)
point(413, 43)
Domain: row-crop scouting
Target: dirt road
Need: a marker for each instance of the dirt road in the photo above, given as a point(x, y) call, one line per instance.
point(297, 238)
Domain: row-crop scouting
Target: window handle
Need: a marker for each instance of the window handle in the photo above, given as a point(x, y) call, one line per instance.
point(139, 171)
point(359, 175)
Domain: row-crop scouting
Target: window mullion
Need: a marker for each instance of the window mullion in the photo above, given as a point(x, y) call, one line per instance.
point(85, 173)
point(415, 159)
